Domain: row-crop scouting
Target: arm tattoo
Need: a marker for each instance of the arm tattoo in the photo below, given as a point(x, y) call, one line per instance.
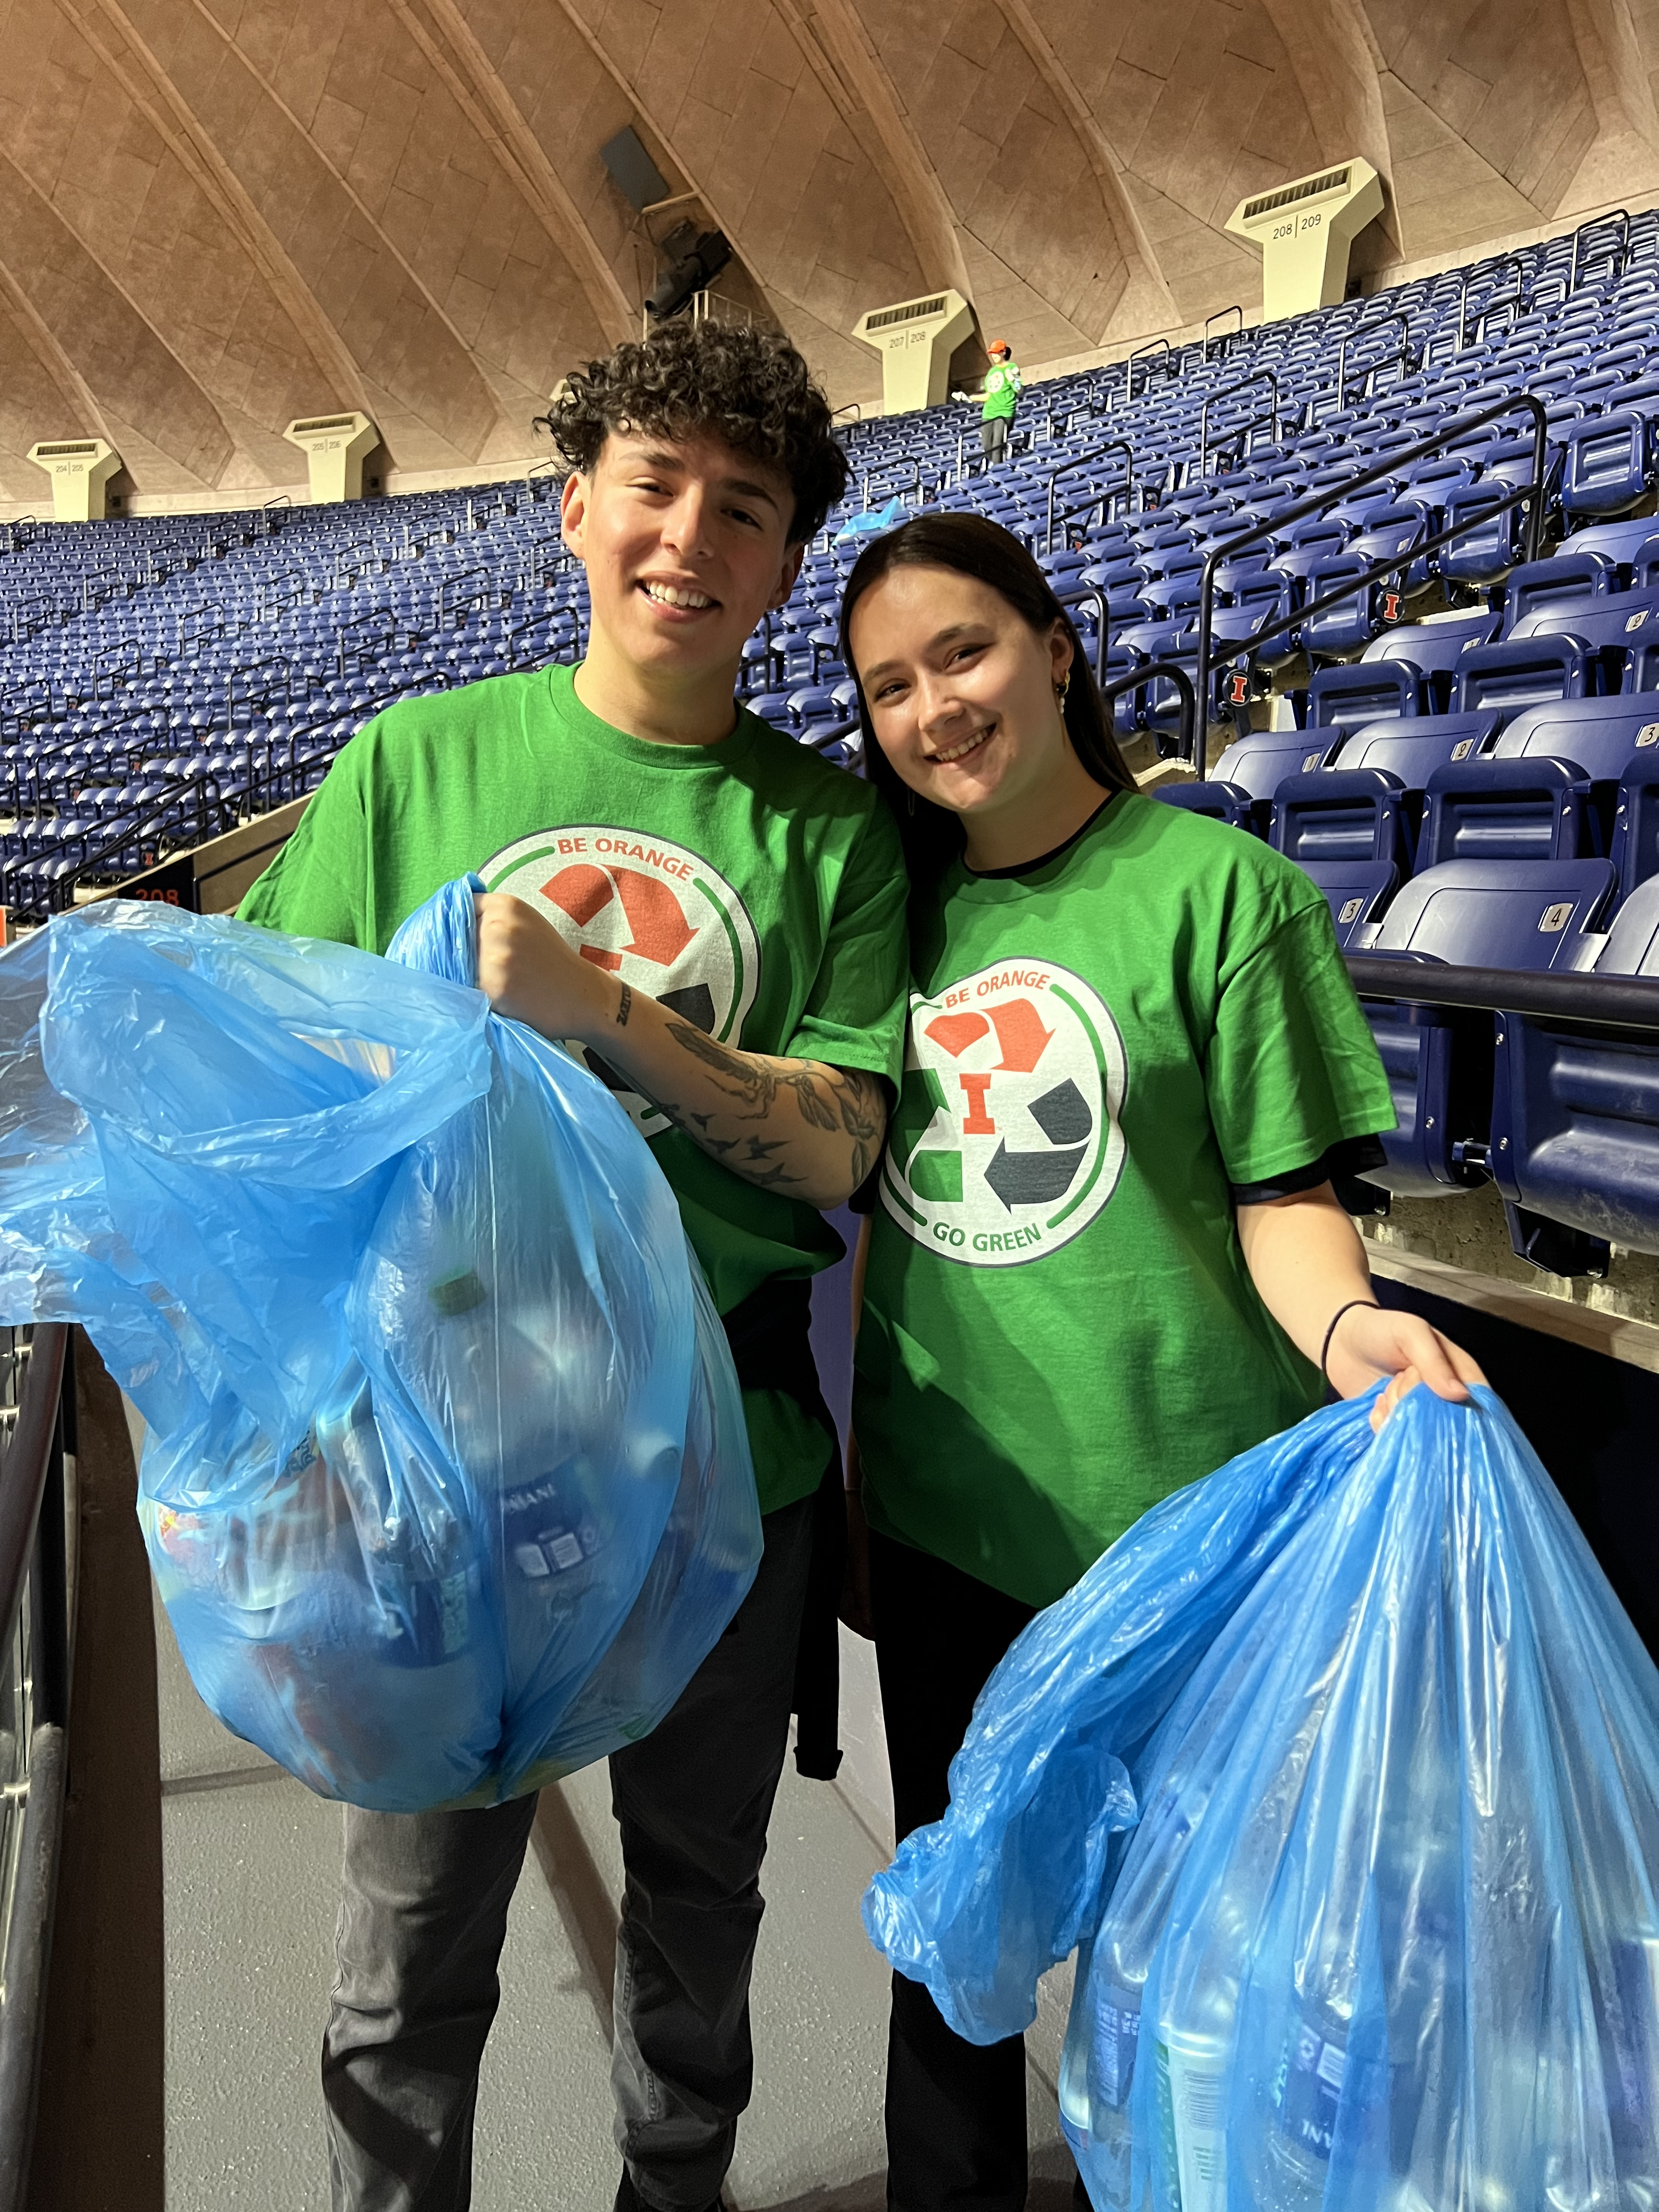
point(836, 1100)
point(624, 1006)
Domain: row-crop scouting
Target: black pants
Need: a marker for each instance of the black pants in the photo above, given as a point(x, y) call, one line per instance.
point(955, 2111)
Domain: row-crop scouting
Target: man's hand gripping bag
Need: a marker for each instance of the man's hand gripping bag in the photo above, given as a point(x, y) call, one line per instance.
point(446, 1487)
point(1385, 1936)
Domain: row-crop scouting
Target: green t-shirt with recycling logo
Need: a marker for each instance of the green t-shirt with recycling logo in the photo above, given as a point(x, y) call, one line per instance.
point(749, 886)
point(1058, 1327)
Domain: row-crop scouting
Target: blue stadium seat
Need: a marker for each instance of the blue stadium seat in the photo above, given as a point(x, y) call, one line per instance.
point(1363, 691)
point(1258, 763)
point(1358, 892)
point(1574, 1123)
point(1620, 541)
point(1501, 913)
point(1436, 650)
point(1602, 735)
point(1607, 468)
point(1221, 802)
point(1519, 671)
point(1568, 580)
point(1478, 914)
point(1621, 632)
point(1356, 814)
point(1528, 809)
point(1634, 846)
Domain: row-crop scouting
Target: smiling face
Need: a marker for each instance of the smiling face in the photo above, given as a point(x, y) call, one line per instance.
point(685, 543)
point(960, 690)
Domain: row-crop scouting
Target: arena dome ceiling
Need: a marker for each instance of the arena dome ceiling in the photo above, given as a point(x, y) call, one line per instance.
point(219, 214)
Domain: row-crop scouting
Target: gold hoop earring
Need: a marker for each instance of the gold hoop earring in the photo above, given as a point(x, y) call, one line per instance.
point(1062, 688)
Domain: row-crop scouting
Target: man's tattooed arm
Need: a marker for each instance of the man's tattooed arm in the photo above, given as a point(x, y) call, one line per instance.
point(790, 1125)
point(829, 1142)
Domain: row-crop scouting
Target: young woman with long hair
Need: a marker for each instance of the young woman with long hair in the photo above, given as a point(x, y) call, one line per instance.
point(1104, 1253)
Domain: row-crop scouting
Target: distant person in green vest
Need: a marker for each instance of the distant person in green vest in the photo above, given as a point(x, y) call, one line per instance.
point(1002, 387)
point(1105, 1253)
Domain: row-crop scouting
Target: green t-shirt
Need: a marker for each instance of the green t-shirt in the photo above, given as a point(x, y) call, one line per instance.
point(1059, 1328)
point(1002, 386)
point(749, 886)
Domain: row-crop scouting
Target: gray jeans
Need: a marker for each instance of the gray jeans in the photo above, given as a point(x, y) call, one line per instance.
point(423, 1913)
point(994, 437)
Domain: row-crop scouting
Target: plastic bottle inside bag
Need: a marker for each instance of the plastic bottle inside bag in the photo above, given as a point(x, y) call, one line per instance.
point(516, 1392)
point(1305, 2095)
point(1630, 2059)
point(1116, 1973)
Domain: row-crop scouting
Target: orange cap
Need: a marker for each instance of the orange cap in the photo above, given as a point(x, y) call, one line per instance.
point(999, 345)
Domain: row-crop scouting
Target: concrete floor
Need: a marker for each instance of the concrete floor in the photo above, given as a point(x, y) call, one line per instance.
point(251, 1866)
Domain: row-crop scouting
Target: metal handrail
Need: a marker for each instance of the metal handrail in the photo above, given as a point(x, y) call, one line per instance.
point(33, 1556)
point(1620, 216)
point(1098, 499)
point(1082, 595)
point(1221, 340)
point(1081, 461)
point(1231, 391)
point(1619, 1002)
point(1141, 353)
point(1500, 261)
point(1137, 678)
point(1363, 330)
point(1333, 496)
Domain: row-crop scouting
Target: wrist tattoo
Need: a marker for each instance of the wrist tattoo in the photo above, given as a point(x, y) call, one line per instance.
point(625, 1006)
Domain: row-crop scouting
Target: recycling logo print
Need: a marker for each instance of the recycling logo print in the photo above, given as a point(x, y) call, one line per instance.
point(654, 914)
point(1006, 1143)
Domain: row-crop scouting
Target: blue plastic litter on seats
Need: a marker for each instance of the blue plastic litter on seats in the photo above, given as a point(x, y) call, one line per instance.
point(446, 1487)
point(1341, 1772)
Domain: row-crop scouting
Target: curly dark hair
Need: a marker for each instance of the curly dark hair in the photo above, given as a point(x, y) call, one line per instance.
point(750, 387)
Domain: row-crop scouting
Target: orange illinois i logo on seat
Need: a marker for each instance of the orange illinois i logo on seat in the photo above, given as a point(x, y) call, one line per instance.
point(1006, 1142)
point(649, 911)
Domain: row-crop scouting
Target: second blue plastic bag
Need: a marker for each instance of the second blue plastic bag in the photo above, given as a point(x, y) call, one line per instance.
point(446, 1487)
point(1378, 1928)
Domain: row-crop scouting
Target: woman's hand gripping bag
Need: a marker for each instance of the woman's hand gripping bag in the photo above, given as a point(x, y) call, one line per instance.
point(440, 1325)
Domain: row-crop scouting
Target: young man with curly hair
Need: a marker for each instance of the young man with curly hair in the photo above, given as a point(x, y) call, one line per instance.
point(714, 917)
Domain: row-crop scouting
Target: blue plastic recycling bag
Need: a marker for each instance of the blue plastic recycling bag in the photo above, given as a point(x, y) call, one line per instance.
point(447, 1485)
point(1382, 1929)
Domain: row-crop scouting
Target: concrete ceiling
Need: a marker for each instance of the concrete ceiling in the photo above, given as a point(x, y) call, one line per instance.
point(217, 215)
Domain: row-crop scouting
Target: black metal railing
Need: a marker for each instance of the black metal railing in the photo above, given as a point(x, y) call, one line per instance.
point(1137, 679)
point(1091, 595)
point(1222, 339)
point(1239, 430)
point(35, 1602)
point(1586, 231)
point(1529, 497)
point(1365, 330)
point(1618, 1002)
point(1083, 461)
point(1147, 353)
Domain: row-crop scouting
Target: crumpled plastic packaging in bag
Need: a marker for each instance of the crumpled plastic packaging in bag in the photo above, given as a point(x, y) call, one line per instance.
point(1378, 1927)
point(447, 1485)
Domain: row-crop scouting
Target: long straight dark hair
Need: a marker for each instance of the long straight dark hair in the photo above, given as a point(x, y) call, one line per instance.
point(973, 546)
